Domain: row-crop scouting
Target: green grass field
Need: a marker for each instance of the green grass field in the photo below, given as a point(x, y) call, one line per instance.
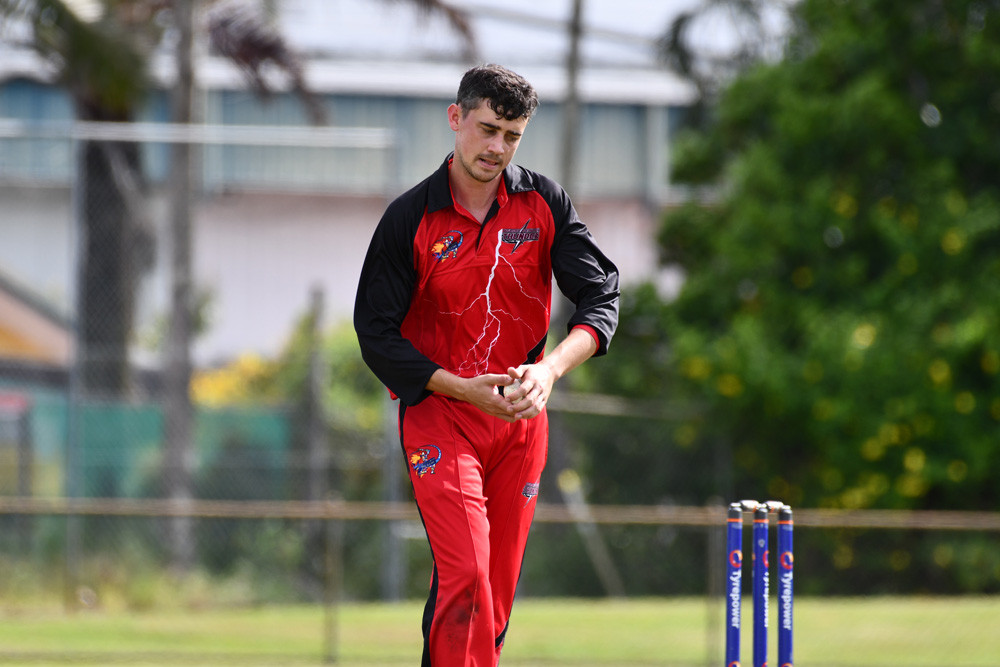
point(840, 632)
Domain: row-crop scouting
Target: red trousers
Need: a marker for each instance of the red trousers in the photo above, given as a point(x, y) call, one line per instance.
point(475, 479)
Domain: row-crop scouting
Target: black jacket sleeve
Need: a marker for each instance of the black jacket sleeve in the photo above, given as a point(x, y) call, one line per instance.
point(582, 271)
point(383, 299)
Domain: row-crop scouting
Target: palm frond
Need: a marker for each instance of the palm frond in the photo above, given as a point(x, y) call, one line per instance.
point(240, 34)
point(457, 18)
point(684, 50)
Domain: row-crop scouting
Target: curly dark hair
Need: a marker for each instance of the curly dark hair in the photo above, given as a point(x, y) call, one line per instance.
point(509, 94)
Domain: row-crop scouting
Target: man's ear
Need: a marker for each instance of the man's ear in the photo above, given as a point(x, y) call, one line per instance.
point(454, 116)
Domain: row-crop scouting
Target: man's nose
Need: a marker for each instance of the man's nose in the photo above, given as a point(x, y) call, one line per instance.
point(497, 145)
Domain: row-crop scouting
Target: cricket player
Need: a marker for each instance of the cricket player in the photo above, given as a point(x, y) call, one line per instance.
point(452, 315)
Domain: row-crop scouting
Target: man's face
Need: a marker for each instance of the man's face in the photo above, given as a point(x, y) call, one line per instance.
point(484, 143)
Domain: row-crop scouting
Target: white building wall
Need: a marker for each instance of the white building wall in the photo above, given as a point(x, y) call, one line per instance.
point(36, 241)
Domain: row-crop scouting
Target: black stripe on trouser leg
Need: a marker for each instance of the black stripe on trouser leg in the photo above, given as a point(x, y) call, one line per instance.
point(425, 660)
point(503, 634)
point(429, 606)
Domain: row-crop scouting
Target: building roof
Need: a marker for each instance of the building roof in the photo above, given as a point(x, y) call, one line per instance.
point(381, 47)
point(440, 80)
point(616, 33)
point(30, 328)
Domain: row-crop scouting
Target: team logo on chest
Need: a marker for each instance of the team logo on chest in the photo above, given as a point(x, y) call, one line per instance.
point(517, 237)
point(447, 246)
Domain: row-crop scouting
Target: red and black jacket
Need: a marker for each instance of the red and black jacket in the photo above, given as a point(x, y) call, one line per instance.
point(440, 290)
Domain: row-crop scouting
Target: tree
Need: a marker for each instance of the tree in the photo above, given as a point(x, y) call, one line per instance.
point(100, 53)
point(100, 66)
point(712, 41)
point(835, 342)
point(839, 317)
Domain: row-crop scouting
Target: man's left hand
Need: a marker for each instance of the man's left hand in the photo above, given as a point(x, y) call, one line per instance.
point(529, 398)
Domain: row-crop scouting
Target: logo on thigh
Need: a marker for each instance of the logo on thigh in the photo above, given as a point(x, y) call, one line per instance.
point(530, 491)
point(424, 460)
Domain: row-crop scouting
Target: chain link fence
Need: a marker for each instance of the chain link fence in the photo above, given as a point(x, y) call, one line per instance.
point(306, 503)
point(123, 572)
point(88, 408)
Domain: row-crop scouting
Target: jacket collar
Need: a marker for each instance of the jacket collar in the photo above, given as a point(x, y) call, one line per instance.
point(439, 195)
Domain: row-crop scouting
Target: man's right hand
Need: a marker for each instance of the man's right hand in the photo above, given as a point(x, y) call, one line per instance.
point(481, 391)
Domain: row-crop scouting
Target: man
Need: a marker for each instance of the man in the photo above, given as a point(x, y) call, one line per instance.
point(452, 315)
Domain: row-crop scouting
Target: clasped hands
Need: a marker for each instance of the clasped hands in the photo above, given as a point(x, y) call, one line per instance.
point(526, 390)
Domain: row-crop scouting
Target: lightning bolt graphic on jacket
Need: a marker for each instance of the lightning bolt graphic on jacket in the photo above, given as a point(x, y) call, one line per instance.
point(478, 356)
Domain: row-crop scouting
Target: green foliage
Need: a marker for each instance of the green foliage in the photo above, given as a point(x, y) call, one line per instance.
point(354, 396)
point(352, 401)
point(839, 320)
point(102, 63)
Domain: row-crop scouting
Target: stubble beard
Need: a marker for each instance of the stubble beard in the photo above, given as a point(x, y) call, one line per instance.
point(476, 174)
